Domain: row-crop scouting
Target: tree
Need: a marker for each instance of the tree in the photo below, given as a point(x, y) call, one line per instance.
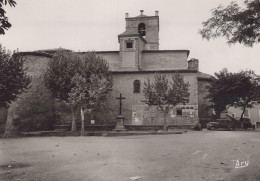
point(4, 23)
point(91, 84)
point(86, 85)
point(249, 93)
point(165, 94)
point(13, 78)
point(13, 82)
point(58, 76)
point(88, 95)
point(222, 91)
point(238, 25)
point(240, 89)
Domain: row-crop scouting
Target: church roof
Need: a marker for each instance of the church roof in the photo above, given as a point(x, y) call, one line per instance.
point(131, 32)
point(41, 54)
point(204, 76)
point(45, 52)
point(53, 50)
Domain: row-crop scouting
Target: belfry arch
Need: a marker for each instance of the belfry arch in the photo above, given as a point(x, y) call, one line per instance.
point(141, 29)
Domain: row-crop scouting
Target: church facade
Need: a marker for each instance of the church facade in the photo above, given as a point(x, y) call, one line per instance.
point(137, 59)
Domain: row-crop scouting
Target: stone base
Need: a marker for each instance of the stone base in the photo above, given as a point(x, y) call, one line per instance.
point(119, 128)
point(120, 123)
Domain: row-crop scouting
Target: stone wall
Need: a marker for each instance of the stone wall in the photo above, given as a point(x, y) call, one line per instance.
point(203, 103)
point(136, 112)
point(123, 83)
point(164, 60)
point(112, 57)
point(147, 60)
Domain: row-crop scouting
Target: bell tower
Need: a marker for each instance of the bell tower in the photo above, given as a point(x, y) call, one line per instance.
point(142, 33)
point(146, 26)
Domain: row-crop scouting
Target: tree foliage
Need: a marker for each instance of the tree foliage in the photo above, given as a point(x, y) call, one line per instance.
point(165, 94)
point(82, 81)
point(240, 89)
point(249, 93)
point(238, 25)
point(60, 71)
point(13, 78)
point(4, 23)
point(94, 70)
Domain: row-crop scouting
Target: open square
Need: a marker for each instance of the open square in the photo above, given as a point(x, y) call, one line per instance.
point(205, 155)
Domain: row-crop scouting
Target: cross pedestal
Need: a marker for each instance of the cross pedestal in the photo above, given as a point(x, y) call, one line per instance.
point(120, 119)
point(120, 123)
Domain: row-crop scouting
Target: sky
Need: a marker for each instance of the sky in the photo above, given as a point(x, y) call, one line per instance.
point(87, 25)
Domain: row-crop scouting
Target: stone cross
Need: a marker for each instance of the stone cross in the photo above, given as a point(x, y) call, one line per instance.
point(120, 103)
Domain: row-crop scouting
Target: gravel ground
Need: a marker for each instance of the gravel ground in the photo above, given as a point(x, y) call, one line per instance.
point(193, 156)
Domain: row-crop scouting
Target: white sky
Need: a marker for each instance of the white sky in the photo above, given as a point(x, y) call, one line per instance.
point(83, 25)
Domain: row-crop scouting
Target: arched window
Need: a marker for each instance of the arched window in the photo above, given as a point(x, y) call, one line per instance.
point(141, 29)
point(137, 85)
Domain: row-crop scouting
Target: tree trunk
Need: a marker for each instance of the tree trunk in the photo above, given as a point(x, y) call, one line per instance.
point(242, 115)
point(82, 122)
point(73, 123)
point(218, 114)
point(165, 127)
point(10, 129)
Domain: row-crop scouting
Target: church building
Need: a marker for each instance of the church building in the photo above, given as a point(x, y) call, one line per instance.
point(137, 59)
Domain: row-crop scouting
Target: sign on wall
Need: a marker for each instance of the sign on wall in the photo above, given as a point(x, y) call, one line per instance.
point(179, 115)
